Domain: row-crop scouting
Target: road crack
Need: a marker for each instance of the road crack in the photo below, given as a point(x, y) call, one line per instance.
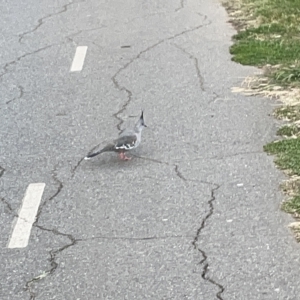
point(53, 263)
point(72, 35)
point(229, 155)
point(21, 93)
point(73, 170)
point(196, 64)
point(11, 210)
point(59, 188)
point(72, 242)
point(181, 5)
point(152, 159)
point(204, 261)
point(13, 62)
point(2, 170)
point(215, 98)
point(42, 20)
point(179, 174)
point(7, 204)
point(122, 88)
point(52, 253)
point(176, 167)
point(124, 238)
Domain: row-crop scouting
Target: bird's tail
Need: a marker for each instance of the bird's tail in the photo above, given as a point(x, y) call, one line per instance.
point(107, 148)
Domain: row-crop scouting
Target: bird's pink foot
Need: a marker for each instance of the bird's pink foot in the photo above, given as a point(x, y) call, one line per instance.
point(123, 156)
point(126, 157)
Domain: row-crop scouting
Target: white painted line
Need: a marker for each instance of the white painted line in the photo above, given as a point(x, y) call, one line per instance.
point(78, 59)
point(27, 214)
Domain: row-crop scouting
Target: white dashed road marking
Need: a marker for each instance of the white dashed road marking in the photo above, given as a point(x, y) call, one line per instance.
point(78, 59)
point(27, 214)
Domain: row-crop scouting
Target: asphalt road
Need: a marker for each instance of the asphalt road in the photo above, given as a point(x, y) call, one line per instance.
point(194, 215)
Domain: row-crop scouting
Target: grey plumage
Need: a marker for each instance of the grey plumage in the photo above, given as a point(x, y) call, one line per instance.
point(128, 140)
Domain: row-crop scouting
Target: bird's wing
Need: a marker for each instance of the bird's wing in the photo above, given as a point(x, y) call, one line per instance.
point(126, 142)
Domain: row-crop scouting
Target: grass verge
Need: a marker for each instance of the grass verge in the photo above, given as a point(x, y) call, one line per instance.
point(269, 37)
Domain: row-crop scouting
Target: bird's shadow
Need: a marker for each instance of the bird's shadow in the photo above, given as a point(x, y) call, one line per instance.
point(110, 162)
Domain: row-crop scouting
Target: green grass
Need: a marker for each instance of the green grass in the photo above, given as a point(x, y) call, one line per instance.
point(287, 154)
point(255, 52)
point(288, 131)
point(287, 76)
point(273, 37)
point(273, 11)
point(292, 206)
point(288, 158)
point(266, 29)
point(291, 113)
point(286, 11)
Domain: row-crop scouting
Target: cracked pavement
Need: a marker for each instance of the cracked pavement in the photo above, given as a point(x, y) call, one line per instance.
point(194, 215)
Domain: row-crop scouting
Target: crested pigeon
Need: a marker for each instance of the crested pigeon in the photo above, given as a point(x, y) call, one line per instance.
point(129, 139)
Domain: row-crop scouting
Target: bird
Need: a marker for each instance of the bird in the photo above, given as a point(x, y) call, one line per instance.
point(129, 139)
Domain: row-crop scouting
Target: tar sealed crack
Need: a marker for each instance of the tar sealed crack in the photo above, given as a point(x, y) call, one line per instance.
point(204, 262)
